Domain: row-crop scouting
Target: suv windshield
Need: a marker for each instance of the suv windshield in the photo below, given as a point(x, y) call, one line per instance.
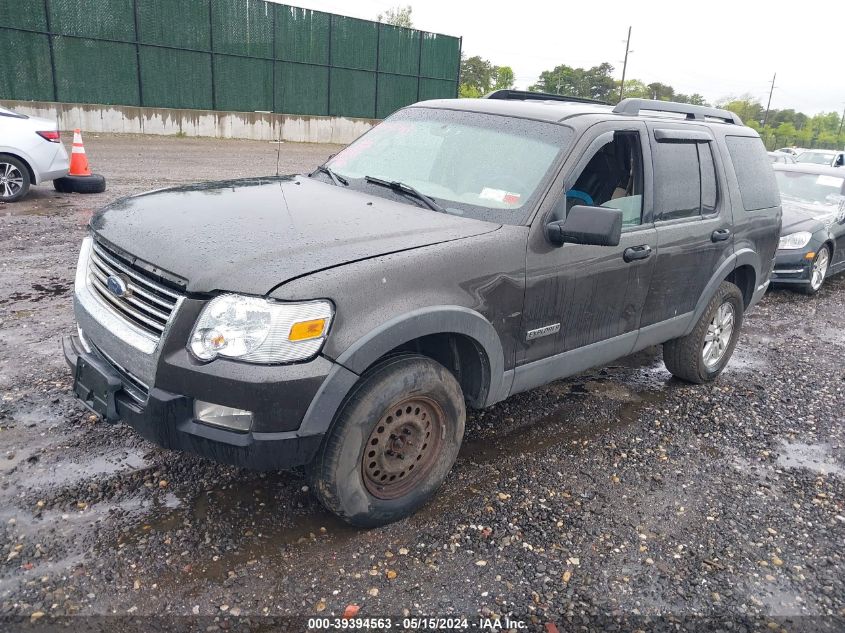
point(483, 166)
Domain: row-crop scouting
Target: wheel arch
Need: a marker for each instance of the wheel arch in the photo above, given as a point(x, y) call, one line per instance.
point(33, 179)
point(451, 335)
point(742, 269)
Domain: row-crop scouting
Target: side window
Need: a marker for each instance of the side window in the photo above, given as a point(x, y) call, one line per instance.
point(677, 181)
point(754, 174)
point(709, 193)
point(685, 180)
point(613, 178)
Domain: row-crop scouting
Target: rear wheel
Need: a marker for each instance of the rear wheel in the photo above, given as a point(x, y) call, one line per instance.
point(392, 444)
point(818, 272)
point(701, 355)
point(14, 179)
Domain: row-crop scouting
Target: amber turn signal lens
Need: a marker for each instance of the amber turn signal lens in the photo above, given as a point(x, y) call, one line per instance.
point(810, 255)
point(307, 330)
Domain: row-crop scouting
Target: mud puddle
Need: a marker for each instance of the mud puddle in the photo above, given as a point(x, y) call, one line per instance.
point(566, 426)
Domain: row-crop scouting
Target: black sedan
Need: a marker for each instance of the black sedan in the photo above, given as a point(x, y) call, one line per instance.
point(812, 242)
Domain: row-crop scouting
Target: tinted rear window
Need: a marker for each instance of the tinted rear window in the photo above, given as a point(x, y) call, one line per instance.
point(754, 172)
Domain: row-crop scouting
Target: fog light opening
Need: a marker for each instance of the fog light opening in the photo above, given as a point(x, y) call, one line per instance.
point(222, 416)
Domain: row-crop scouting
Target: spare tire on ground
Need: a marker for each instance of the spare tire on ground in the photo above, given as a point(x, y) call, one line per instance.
point(95, 183)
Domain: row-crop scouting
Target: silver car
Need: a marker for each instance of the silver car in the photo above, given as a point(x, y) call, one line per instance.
point(31, 152)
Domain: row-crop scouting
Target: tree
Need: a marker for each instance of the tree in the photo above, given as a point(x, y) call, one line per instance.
point(504, 78)
point(746, 106)
point(397, 16)
point(587, 83)
point(479, 76)
point(661, 92)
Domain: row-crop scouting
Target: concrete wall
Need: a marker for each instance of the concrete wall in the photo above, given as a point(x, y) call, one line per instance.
point(250, 125)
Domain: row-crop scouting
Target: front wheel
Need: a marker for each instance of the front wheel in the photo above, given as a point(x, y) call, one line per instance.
point(818, 272)
point(702, 354)
point(392, 444)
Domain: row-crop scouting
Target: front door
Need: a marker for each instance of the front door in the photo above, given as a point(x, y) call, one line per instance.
point(589, 297)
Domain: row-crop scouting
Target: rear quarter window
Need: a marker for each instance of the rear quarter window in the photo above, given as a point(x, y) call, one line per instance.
point(754, 173)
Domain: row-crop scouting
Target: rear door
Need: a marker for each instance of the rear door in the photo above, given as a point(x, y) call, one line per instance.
point(692, 216)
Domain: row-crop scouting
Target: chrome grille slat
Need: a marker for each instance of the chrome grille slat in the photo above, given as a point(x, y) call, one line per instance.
point(105, 294)
point(106, 270)
point(140, 304)
point(136, 275)
point(149, 306)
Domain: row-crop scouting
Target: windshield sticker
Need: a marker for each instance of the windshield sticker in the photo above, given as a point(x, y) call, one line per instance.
point(499, 195)
point(830, 181)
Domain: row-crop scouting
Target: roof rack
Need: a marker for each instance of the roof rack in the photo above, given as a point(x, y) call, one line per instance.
point(632, 107)
point(525, 95)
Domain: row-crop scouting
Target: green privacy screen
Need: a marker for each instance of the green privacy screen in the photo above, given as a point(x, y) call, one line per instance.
point(235, 55)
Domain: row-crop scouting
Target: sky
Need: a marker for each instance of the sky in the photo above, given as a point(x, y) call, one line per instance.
point(715, 48)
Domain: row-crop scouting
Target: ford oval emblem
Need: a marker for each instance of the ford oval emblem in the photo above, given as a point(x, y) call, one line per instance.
point(117, 286)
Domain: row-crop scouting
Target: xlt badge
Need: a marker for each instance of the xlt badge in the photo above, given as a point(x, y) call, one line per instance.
point(546, 330)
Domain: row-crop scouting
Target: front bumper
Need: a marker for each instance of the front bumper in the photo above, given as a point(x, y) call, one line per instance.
point(166, 418)
point(792, 267)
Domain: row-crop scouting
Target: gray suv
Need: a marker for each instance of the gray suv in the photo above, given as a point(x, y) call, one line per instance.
point(460, 252)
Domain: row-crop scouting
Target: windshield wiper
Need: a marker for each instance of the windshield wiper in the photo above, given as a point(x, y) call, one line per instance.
point(408, 190)
point(338, 180)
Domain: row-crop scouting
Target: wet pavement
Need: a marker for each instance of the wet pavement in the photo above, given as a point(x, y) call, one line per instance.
point(619, 493)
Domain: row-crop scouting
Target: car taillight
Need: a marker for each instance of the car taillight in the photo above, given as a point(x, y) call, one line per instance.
point(50, 135)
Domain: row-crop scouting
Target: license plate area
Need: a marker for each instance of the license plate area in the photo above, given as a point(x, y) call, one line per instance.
point(96, 385)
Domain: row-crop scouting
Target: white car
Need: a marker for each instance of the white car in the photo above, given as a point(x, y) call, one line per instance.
point(31, 152)
point(830, 157)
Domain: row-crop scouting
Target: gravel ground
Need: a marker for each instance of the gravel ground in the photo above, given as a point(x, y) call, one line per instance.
point(619, 499)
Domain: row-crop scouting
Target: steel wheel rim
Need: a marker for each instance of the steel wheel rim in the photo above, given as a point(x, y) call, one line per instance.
point(403, 447)
point(718, 336)
point(820, 269)
point(11, 180)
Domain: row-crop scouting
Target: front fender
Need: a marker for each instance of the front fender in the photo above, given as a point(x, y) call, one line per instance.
point(355, 360)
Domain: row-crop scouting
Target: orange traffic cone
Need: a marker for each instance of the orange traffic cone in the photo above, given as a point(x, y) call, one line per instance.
point(78, 159)
point(79, 178)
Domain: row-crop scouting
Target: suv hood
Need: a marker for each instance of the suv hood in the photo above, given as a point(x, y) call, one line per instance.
point(252, 235)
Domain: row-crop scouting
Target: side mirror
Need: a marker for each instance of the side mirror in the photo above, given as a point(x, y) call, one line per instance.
point(595, 226)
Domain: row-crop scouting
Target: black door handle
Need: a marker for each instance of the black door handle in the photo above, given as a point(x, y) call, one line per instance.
point(720, 235)
point(634, 253)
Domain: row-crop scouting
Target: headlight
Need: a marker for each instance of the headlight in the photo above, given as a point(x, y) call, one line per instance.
point(257, 330)
point(795, 240)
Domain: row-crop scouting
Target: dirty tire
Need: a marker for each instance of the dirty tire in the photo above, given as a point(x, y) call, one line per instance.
point(340, 475)
point(17, 174)
point(683, 356)
point(95, 183)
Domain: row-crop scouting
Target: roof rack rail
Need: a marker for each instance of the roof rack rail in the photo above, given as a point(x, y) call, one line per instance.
point(525, 95)
point(632, 107)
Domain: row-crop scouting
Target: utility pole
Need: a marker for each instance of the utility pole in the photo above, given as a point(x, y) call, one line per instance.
point(839, 133)
point(625, 64)
point(769, 105)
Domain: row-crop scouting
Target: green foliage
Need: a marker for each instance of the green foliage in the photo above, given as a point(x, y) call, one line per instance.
point(398, 16)
point(587, 83)
point(479, 76)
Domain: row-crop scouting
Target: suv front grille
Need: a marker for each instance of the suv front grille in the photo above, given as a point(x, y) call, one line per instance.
point(147, 305)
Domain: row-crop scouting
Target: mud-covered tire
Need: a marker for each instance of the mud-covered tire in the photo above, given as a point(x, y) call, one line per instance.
point(683, 356)
point(18, 178)
point(95, 183)
point(342, 474)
